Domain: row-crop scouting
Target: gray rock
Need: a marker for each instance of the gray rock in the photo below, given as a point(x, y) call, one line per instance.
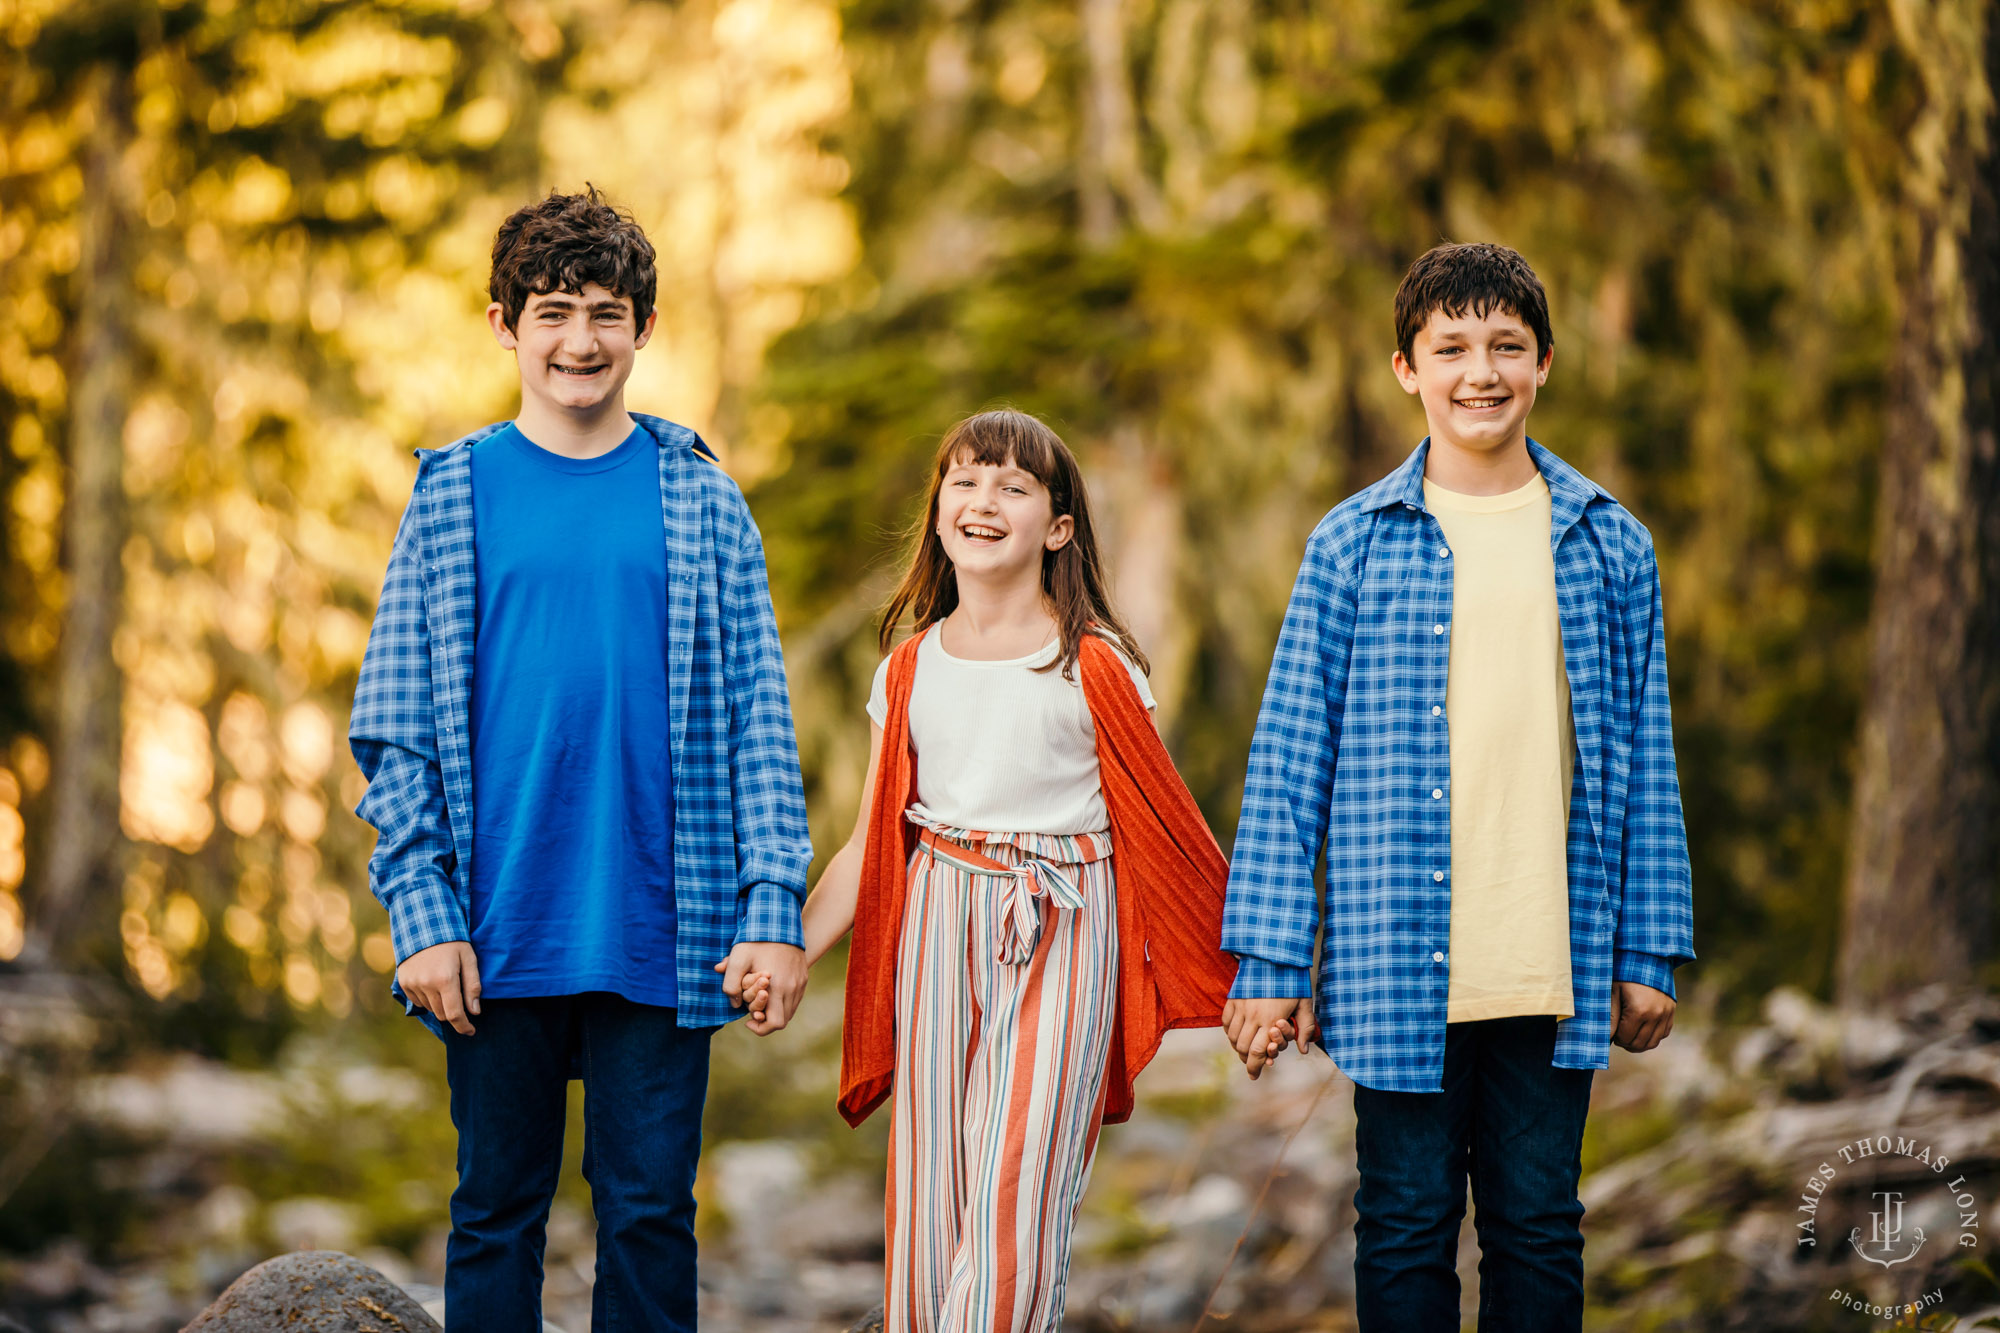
point(316, 1291)
point(868, 1323)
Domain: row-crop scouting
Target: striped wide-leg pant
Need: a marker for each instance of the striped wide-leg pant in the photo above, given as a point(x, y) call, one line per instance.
point(1006, 990)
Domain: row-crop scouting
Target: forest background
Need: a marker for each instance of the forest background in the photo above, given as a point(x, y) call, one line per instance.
point(243, 250)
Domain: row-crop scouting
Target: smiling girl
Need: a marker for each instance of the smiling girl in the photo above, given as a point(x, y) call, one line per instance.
point(1034, 896)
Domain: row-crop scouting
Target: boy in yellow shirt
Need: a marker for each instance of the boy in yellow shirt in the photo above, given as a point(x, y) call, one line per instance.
point(1467, 710)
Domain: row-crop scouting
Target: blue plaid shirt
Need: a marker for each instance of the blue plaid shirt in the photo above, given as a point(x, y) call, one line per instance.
point(741, 847)
point(1350, 743)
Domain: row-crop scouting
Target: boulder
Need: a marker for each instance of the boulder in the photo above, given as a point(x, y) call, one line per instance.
point(315, 1291)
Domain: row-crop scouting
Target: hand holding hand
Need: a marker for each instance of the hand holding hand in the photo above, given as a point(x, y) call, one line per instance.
point(1300, 1025)
point(1264, 1027)
point(784, 970)
point(443, 979)
point(1641, 1017)
point(757, 994)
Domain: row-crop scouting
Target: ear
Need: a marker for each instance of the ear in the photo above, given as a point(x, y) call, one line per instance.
point(1060, 532)
point(496, 317)
point(646, 329)
point(1542, 371)
point(1406, 374)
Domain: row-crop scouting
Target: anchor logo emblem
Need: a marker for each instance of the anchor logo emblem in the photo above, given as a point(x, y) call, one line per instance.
point(1886, 1236)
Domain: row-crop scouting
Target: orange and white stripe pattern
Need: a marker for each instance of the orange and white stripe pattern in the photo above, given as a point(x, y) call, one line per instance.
point(1006, 989)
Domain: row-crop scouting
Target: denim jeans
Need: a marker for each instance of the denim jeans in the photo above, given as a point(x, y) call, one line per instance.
point(644, 1082)
point(1514, 1123)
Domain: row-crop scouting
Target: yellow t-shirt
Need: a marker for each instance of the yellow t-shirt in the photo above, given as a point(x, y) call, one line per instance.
point(1512, 748)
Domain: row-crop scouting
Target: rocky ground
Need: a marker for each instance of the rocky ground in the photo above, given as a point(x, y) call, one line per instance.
point(1698, 1159)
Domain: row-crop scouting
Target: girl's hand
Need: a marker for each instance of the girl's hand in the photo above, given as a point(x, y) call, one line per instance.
point(757, 995)
point(1265, 1051)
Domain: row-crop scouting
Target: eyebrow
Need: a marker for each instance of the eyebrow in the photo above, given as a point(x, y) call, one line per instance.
point(1004, 469)
point(564, 302)
point(1465, 335)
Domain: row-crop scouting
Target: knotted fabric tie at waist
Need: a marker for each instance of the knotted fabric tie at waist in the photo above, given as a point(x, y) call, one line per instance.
point(1043, 873)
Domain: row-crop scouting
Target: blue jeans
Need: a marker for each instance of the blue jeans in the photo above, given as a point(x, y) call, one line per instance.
point(644, 1081)
point(1515, 1124)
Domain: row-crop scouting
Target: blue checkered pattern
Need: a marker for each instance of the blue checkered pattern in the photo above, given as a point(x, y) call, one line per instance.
point(1347, 750)
point(741, 848)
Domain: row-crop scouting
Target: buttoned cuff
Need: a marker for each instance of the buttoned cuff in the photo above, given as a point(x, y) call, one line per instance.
point(1647, 969)
point(771, 917)
point(423, 914)
point(1262, 979)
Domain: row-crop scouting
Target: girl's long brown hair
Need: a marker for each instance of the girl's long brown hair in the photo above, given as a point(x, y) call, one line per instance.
point(1072, 578)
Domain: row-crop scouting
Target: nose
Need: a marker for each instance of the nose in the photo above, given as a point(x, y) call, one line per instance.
point(579, 336)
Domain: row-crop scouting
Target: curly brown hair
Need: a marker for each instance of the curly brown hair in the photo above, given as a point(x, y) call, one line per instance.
point(565, 241)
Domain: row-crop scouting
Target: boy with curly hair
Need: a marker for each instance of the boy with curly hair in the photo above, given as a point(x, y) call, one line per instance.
point(574, 723)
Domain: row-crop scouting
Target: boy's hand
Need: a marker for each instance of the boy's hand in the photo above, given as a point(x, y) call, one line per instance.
point(784, 965)
point(445, 980)
point(1641, 1017)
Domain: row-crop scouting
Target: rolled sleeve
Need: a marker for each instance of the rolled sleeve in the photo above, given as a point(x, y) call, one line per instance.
point(1261, 979)
point(1646, 969)
point(771, 916)
point(423, 914)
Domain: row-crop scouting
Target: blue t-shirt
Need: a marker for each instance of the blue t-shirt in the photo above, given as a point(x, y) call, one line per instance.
point(572, 764)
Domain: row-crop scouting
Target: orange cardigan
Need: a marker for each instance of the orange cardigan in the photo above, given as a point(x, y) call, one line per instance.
point(1172, 972)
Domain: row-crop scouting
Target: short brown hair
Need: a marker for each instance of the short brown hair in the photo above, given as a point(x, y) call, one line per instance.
point(566, 241)
point(1476, 276)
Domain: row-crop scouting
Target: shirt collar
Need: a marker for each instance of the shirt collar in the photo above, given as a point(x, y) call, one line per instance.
point(1570, 492)
point(665, 433)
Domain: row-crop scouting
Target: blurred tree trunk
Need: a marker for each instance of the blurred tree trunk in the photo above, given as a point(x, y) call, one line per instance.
point(1926, 831)
point(83, 836)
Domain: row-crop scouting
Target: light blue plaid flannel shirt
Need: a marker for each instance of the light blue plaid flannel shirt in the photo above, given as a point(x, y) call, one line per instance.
point(741, 847)
point(1349, 744)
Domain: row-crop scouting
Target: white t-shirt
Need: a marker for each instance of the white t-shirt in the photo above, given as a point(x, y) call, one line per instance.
point(1002, 748)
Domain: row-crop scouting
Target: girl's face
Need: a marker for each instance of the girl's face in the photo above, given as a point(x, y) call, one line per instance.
point(996, 520)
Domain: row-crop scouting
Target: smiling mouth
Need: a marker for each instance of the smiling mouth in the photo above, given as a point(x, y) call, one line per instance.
point(1479, 404)
point(576, 372)
point(974, 532)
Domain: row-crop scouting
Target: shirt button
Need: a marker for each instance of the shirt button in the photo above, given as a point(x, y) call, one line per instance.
point(1437, 629)
point(1443, 551)
point(1436, 711)
point(1437, 958)
point(1437, 793)
point(1438, 875)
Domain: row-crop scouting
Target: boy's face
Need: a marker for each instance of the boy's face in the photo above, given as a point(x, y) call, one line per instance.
point(1476, 376)
point(575, 349)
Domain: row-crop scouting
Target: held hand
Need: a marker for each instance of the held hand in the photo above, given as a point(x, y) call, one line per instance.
point(1249, 1023)
point(445, 980)
point(1641, 1017)
point(1265, 1052)
point(784, 965)
point(1301, 1025)
point(757, 994)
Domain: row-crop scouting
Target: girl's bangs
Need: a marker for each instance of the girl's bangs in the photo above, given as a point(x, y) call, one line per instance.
point(1001, 439)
